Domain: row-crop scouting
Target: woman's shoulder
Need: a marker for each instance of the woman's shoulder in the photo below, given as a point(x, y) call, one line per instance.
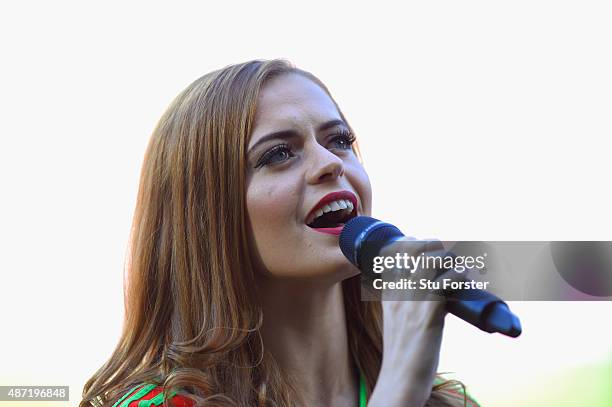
point(149, 395)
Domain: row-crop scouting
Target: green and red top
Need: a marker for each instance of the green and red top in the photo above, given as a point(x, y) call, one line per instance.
point(149, 395)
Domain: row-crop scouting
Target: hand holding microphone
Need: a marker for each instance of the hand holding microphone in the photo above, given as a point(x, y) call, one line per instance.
point(412, 330)
point(364, 238)
point(412, 336)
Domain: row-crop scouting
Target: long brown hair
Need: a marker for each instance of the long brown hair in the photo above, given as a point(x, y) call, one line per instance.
point(191, 319)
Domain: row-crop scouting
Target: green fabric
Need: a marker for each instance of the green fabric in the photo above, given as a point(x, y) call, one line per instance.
point(140, 393)
point(363, 392)
point(155, 401)
point(125, 395)
point(159, 399)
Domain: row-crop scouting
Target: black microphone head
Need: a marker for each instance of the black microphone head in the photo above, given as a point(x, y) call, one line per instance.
point(350, 233)
point(362, 229)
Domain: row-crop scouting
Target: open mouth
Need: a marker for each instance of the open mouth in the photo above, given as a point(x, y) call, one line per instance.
point(333, 214)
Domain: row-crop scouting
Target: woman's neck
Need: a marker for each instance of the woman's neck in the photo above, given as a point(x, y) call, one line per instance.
point(305, 330)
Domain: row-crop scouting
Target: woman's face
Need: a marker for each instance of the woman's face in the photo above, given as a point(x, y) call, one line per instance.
point(290, 173)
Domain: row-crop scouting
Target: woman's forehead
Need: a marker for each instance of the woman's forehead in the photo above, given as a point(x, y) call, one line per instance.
point(292, 100)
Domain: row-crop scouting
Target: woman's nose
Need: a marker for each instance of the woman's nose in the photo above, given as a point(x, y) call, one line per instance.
point(325, 165)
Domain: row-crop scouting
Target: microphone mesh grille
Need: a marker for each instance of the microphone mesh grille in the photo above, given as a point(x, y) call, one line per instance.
point(363, 237)
point(351, 230)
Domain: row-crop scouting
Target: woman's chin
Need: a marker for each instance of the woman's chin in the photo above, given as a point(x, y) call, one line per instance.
point(342, 270)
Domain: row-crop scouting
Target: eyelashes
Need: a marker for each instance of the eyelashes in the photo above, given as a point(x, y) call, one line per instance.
point(342, 140)
point(272, 155)
point(346, 137)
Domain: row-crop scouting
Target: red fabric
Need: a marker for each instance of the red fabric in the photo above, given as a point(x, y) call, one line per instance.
point(147, 396)
point(182, 401)
point(177, 400)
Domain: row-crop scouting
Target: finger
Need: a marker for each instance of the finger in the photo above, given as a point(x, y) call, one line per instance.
point(408, 245)
point(433, 244)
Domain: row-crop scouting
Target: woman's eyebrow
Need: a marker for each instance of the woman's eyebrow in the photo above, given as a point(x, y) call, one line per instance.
point(285, 134)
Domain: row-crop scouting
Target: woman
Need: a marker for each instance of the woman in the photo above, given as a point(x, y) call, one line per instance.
point(237, 292)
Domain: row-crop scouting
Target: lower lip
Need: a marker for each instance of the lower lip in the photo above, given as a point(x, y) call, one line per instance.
point(330, 231)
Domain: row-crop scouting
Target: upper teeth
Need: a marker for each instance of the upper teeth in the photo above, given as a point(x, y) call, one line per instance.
point(336, 205)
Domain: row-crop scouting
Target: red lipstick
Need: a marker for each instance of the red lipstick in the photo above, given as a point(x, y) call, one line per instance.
point(330, 231)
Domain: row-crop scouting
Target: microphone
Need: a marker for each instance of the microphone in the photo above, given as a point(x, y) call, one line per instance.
point(477, 307)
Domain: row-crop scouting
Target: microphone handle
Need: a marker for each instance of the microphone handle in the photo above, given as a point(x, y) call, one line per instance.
point(483, 310)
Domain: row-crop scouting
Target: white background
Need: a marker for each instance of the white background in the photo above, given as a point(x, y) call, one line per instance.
point(477, 120)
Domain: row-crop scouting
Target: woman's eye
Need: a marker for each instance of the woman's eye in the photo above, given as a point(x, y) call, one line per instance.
point(276, 154)
point(343, 140)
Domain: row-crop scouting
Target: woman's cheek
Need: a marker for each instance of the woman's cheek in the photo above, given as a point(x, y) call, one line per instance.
point(270, 209)
point(272, 213)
